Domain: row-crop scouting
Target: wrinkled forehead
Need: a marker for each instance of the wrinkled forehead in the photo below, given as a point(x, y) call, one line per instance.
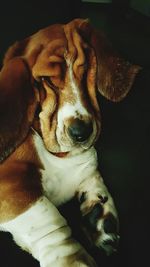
point(55, 44)
point(48, 34)
point(51, 39)
point(66, 35)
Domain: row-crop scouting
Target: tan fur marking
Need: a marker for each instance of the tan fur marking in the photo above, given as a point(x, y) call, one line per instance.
point(20, 184)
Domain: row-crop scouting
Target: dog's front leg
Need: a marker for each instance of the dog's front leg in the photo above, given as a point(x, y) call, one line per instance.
point(100, 219)
point(42, 231)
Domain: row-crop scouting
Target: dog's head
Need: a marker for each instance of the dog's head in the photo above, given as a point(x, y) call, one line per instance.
point(62, 69)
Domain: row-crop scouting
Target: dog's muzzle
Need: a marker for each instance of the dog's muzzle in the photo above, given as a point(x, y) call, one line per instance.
point(79, 131)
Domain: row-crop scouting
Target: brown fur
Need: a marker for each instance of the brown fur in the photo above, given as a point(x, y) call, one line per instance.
point(95, 65)
point(17, 105)
point(19, 181)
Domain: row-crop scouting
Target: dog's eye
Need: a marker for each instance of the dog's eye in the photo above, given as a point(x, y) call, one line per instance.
point(36, 84)
point(47, 80)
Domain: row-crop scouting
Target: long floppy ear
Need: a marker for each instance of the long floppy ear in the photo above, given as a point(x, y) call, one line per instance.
point(17, 105)
point(15, 50)
point(115, 75)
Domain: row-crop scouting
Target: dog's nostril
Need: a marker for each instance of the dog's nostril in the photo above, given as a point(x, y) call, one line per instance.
point(110, 224)
point(80, 131)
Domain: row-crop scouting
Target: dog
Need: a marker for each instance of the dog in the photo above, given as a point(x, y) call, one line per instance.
point(50, 121)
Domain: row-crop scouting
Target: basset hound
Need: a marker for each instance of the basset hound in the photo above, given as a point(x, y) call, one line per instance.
point(50, 120)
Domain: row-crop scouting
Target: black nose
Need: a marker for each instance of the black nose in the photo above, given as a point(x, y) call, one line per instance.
point(79, 130)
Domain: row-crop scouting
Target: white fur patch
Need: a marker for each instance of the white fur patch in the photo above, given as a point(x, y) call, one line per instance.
point(72, 110)
point(61, 176)
point(43, 232)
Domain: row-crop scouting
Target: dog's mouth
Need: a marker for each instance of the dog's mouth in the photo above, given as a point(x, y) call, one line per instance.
point(60, 154)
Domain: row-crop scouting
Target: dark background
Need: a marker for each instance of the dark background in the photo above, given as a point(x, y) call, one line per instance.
point(124, 145)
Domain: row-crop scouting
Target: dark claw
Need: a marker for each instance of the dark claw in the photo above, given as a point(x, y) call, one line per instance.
point(103, 200)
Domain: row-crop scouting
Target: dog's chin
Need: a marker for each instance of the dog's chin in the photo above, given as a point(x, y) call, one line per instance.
point(60, 154)
point(68, 151)
point(74, 150)
point(63, 146)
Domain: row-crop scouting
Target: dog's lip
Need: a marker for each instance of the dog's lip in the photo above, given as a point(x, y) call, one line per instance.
point(60, 154)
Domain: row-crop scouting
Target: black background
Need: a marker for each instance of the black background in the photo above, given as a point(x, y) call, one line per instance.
point(124, 146)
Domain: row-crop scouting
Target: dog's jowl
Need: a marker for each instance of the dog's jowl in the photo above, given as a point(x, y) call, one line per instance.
point(50, 120)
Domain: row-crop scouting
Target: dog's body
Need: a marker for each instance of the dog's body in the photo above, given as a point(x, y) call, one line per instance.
point(47, 150)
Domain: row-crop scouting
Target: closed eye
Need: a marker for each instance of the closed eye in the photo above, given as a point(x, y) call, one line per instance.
point(47, 80)
point(37, 84)
point(43, 80)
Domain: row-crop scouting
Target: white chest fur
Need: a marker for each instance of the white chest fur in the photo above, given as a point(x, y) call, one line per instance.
point(62, 176)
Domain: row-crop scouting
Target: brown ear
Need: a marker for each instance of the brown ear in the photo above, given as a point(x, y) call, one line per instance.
point(115, 75)
point(17, 105)
point(16, 50)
